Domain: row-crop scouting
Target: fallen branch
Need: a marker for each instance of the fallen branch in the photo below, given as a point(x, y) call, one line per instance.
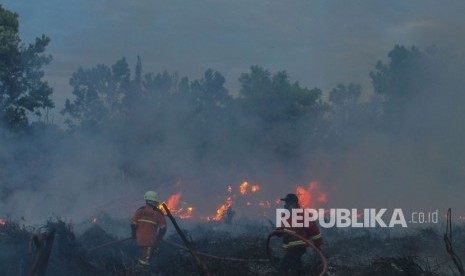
point(189, 245)
point(448, 242)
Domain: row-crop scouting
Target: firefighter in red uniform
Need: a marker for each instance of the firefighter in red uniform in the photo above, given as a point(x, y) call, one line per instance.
point(148, 226)
point(294, 247)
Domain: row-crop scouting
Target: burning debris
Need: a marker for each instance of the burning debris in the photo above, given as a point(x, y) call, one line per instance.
point(178, 208)
point(244, 195)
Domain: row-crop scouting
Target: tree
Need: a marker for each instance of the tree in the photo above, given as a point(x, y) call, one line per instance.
point(285, 113)
point(345, 95)
point(99, 93)
point(209, 91)
point(349, 117)
point(274, 98)
point(22, 90)
point(402, 80)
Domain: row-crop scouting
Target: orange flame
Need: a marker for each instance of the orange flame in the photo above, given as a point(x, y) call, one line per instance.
point(173, 202)
point(310, 196)
point(174, 205)
point(243, 187)
point(220, 212)
point(255, 188)
point(185, 215)
point(2, 222)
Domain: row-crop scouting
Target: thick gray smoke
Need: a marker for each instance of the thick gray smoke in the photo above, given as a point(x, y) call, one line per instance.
point(408, 153)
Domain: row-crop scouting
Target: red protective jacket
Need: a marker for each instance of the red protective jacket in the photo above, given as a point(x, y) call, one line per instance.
point(310, 233)
point(148, 222)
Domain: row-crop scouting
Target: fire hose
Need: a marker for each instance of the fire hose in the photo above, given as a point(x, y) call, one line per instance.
point(308, 243)
point(181, 247)
point(108, 244)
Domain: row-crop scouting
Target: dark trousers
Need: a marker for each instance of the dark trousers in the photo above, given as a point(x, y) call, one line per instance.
point(291, 262)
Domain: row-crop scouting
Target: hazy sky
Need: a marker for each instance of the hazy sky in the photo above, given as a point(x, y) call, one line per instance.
point(320, 43)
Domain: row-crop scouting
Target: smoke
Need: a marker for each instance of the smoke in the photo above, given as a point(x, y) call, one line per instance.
point(414, 162)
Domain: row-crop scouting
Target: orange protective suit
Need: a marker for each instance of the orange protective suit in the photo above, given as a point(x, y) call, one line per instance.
point(149, 225)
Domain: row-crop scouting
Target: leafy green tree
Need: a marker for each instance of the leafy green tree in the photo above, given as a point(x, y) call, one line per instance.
point(285, 113)
point(22, 90)
point(274, 98)
point(210, 91)
point(98, 92)
point(401, 81)
point(159, 88)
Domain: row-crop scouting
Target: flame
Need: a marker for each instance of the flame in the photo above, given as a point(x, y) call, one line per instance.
point(2, 222)
point(243, 198)
point(310, 196)
point(173, 202)
point(243, 187)
point(177, 208)
point(220, 212)
point(255, 188)
point(185, 215)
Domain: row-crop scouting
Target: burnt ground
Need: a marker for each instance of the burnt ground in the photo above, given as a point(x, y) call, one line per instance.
point(349, 252)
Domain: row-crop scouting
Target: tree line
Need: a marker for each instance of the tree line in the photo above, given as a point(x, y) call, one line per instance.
point(271, 117)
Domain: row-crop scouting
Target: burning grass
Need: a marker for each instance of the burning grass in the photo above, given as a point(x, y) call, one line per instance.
point(354, 252)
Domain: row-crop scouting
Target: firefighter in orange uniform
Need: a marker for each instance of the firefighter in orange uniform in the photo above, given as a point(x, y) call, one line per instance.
point(294, 247)
point(148, 226)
